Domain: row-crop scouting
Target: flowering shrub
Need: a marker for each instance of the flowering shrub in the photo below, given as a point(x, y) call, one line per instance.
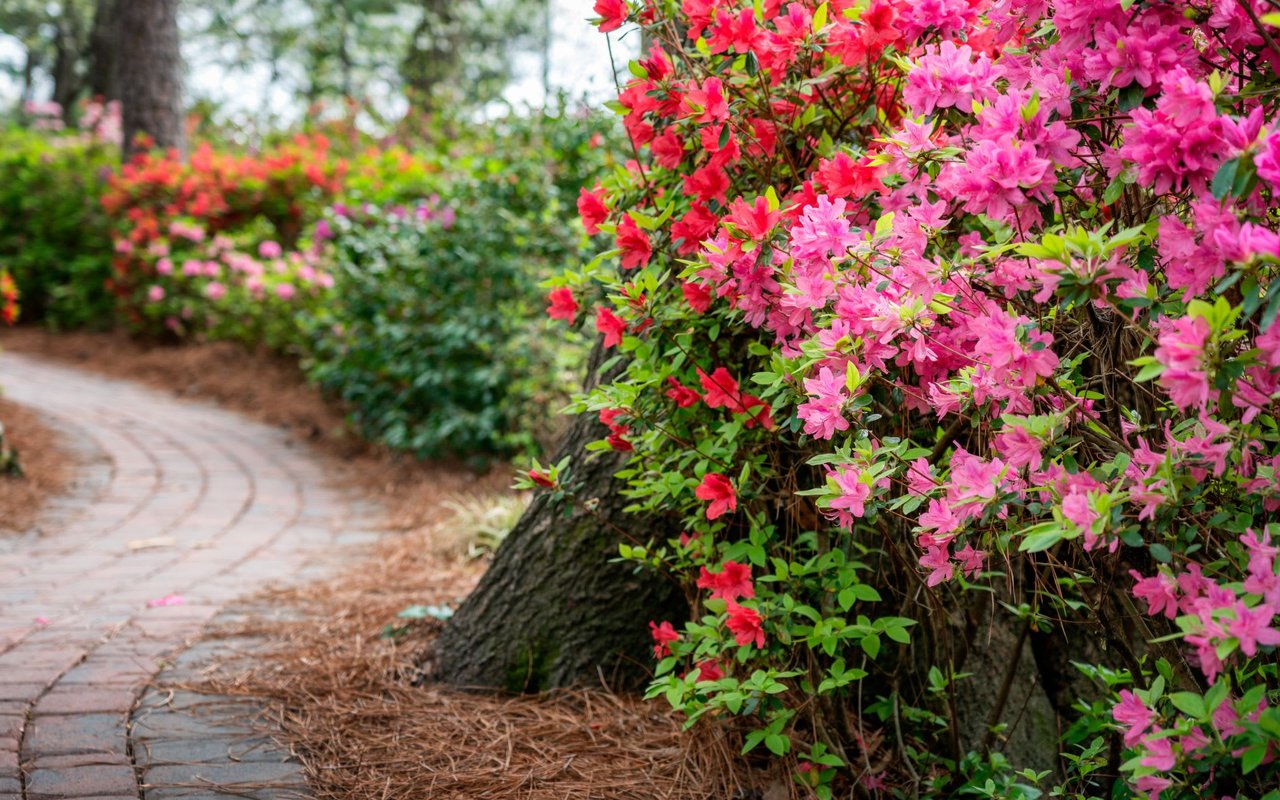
point(937, 313)
point(433, 336)
point(9, 307)
point(166, 206)
point(244, 288)
point(54, 236)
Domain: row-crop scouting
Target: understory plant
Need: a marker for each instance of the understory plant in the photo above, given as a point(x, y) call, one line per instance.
point(433, 334)
point(947, 332)
point(54, 236)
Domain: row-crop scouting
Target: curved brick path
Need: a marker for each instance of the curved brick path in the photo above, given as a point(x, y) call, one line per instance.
point(232, 507)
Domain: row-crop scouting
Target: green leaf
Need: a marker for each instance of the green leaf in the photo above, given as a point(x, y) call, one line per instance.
point(1188, 703)
point(847, 598)
point(871, 645)
point(884, 225)
point(820, 18)
point(1131, 96)
point(1225, 178)
point(1253, 757)
point(1269, 313)
point(1153, 370)
point(1041, 537)
point(778, 744)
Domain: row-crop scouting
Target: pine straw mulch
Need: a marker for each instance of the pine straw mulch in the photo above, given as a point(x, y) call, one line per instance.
point(345, 697)
point(48, 467)
point(350, 700)
point(272, 390)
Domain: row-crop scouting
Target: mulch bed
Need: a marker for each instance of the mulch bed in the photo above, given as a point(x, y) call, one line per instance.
point(48, 467)
point(344, 692)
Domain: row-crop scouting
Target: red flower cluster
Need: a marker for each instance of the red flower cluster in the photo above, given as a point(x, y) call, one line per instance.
point(217, 191)
point(717, 490)
point(617, 431)
point(8, 298)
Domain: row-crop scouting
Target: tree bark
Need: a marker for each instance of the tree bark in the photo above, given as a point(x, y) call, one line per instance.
point(552, 611)
point(432, 57)
point(150, 78)
point(66, 77)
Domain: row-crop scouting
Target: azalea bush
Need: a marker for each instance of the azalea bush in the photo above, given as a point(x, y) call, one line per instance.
point(405, 281)
point(54, 236)
point(434, 335)
point(943, 327)
point(201, 244)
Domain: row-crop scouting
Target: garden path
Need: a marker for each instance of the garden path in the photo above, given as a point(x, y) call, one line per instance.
point(176, 500)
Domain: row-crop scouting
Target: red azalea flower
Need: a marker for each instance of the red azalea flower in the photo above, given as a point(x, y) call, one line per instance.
point(844, 177)
point(708, 183)
point(697, 296)
point(706, 103)
point(663, 635)
point(612, 14)
point(683, 396)
point(756, 220)
point(695, 227)
point(617, 440)
point(592, 209)
point(542, 479)
point(667, 149)
point(734, 581)
point(745, 625)
point(731, 582)
point(716, 489)
point(758, 411)
point(562, 305)
point(737, 33)
point(634, 242)
point(708, 670)
point(611, 325)
point(721, 389)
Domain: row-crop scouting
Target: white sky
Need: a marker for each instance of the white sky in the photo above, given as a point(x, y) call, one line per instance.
point(579, 66)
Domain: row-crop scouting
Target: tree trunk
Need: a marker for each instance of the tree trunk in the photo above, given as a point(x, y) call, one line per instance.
point(432, 57)
point(552, 611)
point(29, 67)
point(102, 52)
point(66, 78)
point(150, 78)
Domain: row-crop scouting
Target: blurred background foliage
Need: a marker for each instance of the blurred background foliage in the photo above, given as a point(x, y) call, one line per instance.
point(381, 211)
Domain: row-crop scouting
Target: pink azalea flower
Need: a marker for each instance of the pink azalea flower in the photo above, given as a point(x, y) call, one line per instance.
point(937, 560)
point(1134, 715)
point(823, 412)
point(1160, 591)
point(1252, 627)
point(854, 493)
point(970, 560)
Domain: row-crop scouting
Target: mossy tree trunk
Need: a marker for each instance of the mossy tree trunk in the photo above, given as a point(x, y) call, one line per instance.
point(552, 611)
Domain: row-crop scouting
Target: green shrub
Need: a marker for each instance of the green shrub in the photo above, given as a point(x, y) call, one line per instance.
point(435, 337)
point(54, 236)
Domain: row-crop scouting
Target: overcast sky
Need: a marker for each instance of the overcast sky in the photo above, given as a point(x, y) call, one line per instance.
point(579, 66)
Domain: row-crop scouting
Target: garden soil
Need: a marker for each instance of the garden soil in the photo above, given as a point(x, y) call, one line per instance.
point(48, 467)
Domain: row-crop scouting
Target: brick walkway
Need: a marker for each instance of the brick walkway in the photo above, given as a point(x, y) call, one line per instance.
point(177, 498)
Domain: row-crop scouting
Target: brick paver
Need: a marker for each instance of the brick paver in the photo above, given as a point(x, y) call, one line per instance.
point(176, 498)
